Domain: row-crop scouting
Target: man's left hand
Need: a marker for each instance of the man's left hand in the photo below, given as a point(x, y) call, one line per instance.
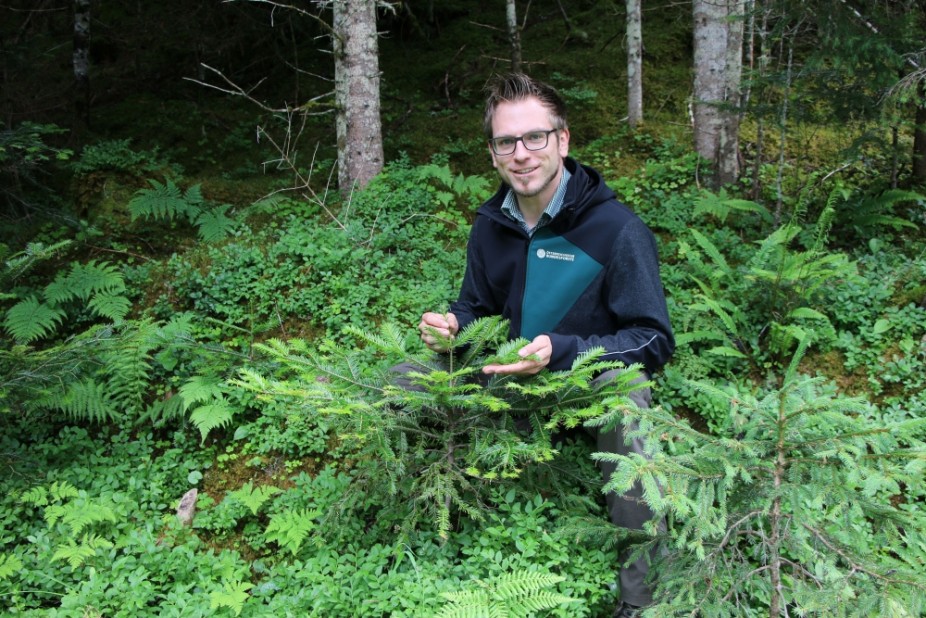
point(536, 355)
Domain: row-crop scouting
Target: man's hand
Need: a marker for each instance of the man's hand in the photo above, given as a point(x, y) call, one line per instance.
point(541, 348)
point(435, 329)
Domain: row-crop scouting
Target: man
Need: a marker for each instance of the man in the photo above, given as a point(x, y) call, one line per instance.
point(569, 266)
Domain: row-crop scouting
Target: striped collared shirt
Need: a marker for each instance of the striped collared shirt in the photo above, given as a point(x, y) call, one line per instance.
point(510, 206)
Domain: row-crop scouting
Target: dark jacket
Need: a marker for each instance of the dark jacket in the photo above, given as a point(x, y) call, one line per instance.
point(589, 278)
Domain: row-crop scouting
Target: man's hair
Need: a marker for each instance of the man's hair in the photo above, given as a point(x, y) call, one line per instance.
point(514, 87)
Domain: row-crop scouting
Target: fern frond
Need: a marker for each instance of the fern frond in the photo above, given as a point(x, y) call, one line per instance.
point(127, 366)
point(30, 319)
point(85, 400)
point(62, 490)
point(252, 497)
point(514, 595)
point(110, 306)
point(77, 553)
point(9, 564)
point(193, 195)
point(290, 528)
point(713, 252)
point(79, 514)
point(214, 224)
point(200, 388)
point(37, 496)
point(165, 201)
point(233, 595)
point(212, 416)
point(83, 281)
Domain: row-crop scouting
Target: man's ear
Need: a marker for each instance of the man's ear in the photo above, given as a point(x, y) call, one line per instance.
point(563, 135)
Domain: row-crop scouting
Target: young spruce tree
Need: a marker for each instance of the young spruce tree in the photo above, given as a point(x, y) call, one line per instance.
point(803, 512)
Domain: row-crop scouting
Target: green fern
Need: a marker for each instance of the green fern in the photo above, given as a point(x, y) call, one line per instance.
point(200, 389)
point(30, 319)
point(215, 410)
point(86, 399)
point(166, 201)
point(252, 497)
point(513, 595)
point(111, 306)
point(868, 212)
point(290, 529)
point(79, 514)
point(76, 553)
point(84, 281)
point(213, 224)
point(233, 595)
point(211, 416)
point(9, 565)
point(58, 491)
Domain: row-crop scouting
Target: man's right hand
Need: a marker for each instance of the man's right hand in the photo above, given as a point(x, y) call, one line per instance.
point(436, 329)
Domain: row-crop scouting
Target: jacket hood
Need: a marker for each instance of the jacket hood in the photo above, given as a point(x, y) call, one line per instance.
point(586, 188)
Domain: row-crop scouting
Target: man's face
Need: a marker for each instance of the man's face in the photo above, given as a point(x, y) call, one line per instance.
point(532, 174)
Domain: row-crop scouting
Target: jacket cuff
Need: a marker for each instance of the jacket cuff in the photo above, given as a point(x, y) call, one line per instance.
point(565, 350)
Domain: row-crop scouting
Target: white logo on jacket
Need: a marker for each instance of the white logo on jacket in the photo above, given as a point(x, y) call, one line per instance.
point(554, 255)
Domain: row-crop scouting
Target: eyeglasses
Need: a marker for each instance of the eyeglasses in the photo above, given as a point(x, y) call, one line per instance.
point(535, 140)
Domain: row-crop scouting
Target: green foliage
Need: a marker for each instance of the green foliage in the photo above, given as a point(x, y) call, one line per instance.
point(798, 509)
point(98, 286)
point(308, 270)
point(213, 407)
point(439, 443)
point(116, 155)
point(167, 201)
point(9, 565)
point(233, 594)
point(30, 319)
point(252, 497)
point(291, 528)
point(514, 594)
point(864, 215)
point(24, 147)
point(763, 306)
point(76, 513)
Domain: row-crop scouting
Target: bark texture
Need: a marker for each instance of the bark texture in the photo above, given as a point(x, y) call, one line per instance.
point(718, 50)
point(634, 63)
point(514, 35)
point(356, 72)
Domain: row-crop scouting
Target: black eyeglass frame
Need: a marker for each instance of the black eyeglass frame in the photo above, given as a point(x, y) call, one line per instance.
point(494, 145)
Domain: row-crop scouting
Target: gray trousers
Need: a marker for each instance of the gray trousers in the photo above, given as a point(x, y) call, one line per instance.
point(627, 510)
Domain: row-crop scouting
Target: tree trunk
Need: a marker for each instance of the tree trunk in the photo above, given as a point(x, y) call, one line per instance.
point(514, 35)
point(81, 63)
point(919, 140)
point(634, 64)
point(728, 160)
point(356, 74)
point(718, 45)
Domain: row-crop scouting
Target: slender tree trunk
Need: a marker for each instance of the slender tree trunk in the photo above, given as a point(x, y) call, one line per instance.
point(718, 45)
point(514, 35)
point(919, 140)
point(728, 156)
point(356, 74)
point(634, 64)
point(775, 517)
point(81, 63)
